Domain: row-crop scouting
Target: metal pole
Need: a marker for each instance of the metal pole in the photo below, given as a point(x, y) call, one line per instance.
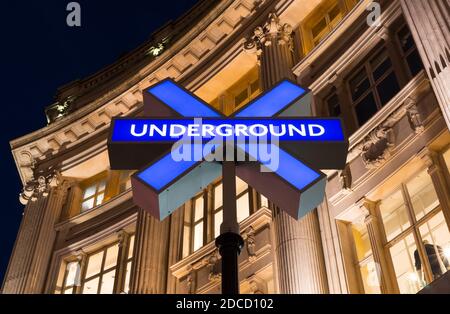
point(230, 241)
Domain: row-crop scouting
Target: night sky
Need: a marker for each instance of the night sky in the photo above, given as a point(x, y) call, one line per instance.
point(40, 53)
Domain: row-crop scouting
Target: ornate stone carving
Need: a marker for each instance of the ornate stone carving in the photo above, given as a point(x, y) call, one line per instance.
point(345, 178)
point(377, 147)
point(214, 273)
point(414, 117)
point(272, 32)
point(39, 187)
point(250, 244)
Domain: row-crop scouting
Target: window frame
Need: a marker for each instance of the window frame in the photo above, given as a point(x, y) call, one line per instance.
point(373, 83)
point(413, 229)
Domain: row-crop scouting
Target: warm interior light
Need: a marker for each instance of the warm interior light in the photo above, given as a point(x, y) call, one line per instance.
point(413, 277)
point(447, 252)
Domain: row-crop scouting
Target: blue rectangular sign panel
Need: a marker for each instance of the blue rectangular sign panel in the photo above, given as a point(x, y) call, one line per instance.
point(165, 130)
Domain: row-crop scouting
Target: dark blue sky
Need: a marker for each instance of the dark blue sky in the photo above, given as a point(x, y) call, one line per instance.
point(39, 53)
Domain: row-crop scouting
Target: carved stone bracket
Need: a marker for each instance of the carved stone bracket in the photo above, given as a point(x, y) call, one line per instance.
point(414, 117)
point(250, 241)
point(377, 146)
point(345, 178)
point(213, 264)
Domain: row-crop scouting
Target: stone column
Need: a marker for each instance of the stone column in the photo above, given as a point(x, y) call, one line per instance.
point(149, 269)
point(27, 269)
point(298, 247)
point(438, 175)
point(430, 27)
point(175, 246)
point(376, 242)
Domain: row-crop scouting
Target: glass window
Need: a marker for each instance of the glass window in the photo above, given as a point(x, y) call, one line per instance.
point(101, 271)
point(199, 211)
point(333, 105)
point(417, 233)
point(403, 257)
point(326, 24)
point(436, 239)
point(71, 277)
point(369, 270)
point(394, 214)
point(423, 196)
point(409, 51)
point(125, 180)
point(373, 85)
point(93, 195)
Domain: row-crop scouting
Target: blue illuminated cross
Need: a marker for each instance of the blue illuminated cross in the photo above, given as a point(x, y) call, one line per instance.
point(163, 185)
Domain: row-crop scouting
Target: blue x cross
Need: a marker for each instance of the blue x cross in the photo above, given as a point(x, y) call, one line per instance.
point(296, 185)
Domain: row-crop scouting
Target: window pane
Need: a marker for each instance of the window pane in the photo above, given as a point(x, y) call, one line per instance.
point(218, 196)
point(370, 272)
point(198, 208)
point(388, 88)
point(88, 192)
point(73, 271)
point(243, 209)
point(241, 186)
point(446, 156)
point(108, 282)
point(241, 97)
point(335, 15)
point(334, 109)
point(99, 199)
point(436, 239)
point(422, 194)
point(87, 204)
point(94, 264)
point(264, 201)
point(362, 241)
point(91, 286)
point(404, 260)
point(126, 288)
point(359, 84)
point(101, 186)
point(366, 109)
point(186, 240)
point(111, 257)
point(198, 236)
point(414, 63)
point(319, 27)
point(382, 69)
point(218, 218)
point(394, 215)
point(131, 247)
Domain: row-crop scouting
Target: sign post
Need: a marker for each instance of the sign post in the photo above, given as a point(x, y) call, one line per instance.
point(229, 241)
point(183, 144)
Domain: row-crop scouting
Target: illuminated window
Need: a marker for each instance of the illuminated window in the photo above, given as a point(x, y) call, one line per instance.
point(71, 277)
point(249, 92)
point(417, 234)
point(93, 195)
point(242, 204)
point(373, 85)
point(125, 180)
point(103, 271)
point(128, 263)
point(326, 24)
point(368, 269)
point(202, 220)
point(198, 222)
point(409, 51)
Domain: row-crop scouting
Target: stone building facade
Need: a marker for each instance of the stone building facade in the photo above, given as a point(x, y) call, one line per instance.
point(384, 213)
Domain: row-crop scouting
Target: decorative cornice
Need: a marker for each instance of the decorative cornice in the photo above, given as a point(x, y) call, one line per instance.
point(176, 61)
